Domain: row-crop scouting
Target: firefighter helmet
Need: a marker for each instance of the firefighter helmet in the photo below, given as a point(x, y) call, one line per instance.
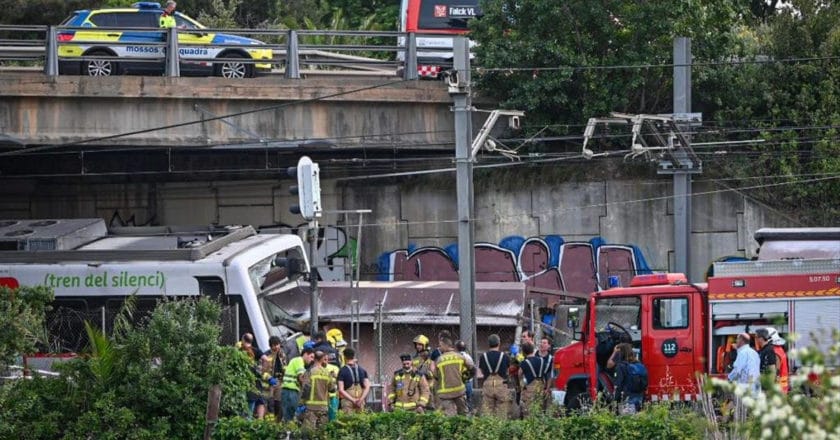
point(334, 336)
point(422, 340)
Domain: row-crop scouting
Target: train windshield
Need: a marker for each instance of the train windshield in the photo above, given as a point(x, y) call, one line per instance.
point(447, 14)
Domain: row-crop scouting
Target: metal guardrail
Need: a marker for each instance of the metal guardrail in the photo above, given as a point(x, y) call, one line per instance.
point(294, 52)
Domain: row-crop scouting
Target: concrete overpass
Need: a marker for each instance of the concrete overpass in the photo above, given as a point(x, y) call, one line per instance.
point(70, 125)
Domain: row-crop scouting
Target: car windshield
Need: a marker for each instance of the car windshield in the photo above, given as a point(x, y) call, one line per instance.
point(186, 22)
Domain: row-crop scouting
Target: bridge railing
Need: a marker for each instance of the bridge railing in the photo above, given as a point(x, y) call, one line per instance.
point(294, 53)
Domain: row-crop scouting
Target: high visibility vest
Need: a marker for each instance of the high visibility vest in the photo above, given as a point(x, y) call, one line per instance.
point(783, 375)
point(167, 21)
point(450, 375)
point(290, 376)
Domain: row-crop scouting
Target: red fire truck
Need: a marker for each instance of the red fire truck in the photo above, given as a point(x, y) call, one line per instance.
point(682, 329)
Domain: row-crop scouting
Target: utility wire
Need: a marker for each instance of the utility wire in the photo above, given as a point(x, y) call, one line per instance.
point(481, 70)
point(835, 176)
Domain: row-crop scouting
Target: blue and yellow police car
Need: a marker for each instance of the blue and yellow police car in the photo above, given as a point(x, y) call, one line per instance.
point(142, 51)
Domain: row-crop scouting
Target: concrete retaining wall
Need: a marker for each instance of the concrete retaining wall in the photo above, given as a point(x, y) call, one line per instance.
point(422, 213)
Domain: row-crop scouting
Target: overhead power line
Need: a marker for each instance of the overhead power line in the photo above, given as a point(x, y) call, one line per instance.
point(481, 70)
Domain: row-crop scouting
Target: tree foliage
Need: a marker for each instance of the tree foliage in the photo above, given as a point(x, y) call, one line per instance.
point(151, 381)
point(566, 61)
point(22, 313)
point(284, 14)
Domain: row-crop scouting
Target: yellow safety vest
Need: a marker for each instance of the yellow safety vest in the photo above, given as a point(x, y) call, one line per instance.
point(167, 21)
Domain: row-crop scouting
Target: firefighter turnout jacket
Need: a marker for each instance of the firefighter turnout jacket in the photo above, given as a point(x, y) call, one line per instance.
point(451, 371)
point(409, 390)
point(317, 391)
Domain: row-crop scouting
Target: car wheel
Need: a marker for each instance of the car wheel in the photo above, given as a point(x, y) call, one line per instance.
point(99, 67)
point(234, 69)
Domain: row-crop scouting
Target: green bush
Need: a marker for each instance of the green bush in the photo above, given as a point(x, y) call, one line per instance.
point(144, 382)
point(659, 422)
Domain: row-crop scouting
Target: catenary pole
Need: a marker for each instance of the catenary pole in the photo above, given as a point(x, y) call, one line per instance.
point(682, 174)
point(459, 89)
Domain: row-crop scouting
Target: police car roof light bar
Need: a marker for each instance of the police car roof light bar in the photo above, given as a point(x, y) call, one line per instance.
point(146, 5)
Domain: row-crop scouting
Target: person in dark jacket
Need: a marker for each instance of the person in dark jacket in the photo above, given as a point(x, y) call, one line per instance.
point(322, 344)
point(631, 379)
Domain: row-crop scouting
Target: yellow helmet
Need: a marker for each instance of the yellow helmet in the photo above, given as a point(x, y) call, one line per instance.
point(422, 339)
point(334, 336)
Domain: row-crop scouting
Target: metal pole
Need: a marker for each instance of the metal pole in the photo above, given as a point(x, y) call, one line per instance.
point(173, 68)
point(358, 256)
point(51, 62)
point(459, 88)
point(348, 261)
point(682, 174)
point(354, 324)
point(313, 277)
point(410, 65)
point(292, 60)
point(379, 330)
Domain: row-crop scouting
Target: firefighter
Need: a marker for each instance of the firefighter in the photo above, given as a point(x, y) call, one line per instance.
point(772, 356)
point(495, 393)
point(451, 370)
point(318, 384)
point(534, 384)
point(409, 389)
point(333, 406)
point(423, 365)
point(293, 379)
point(275, 366)
point(353, 384)
point(336, 338)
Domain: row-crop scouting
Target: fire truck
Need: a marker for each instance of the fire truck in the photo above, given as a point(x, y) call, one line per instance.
point(681, 330)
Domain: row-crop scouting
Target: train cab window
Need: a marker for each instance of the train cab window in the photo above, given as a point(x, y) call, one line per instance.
point(670, 313)
point(447, 14)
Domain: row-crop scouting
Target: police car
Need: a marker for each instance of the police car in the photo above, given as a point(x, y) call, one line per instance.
point(139, 49)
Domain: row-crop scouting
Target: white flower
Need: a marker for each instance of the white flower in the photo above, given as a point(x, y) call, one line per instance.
point(784, 432)
point(766, 433)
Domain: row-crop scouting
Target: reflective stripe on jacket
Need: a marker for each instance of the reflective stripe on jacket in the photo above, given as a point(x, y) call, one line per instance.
point(321, 385)
point(783, 375)
point(408, 389)
point(451, 367)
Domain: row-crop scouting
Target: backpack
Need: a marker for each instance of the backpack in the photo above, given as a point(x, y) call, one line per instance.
point(637, 378)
